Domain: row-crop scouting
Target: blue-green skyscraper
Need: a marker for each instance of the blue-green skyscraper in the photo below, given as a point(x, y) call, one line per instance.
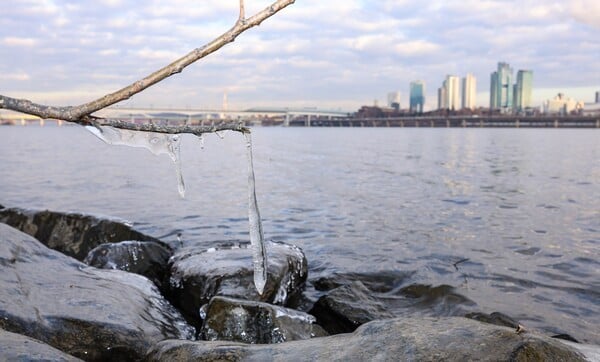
point(523, 90)
point(501, 88)
point(417, 96)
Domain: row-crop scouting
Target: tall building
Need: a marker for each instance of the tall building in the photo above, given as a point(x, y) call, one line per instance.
point(501, 88)
point(394, 100)
point(598, 97)
point(443, 96)
point(469, 92)
point(453, 92)
point(522, 90)
point(417, 96)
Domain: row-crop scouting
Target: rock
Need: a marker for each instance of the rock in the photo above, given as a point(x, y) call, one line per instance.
point(347, 307)
point(146, 258)
point(198, 274)
point(16, 347)
point(497, 318)
point(393, 291)
point(90, 313)
point(245, 321)
point(407, 339)
point(71, 234)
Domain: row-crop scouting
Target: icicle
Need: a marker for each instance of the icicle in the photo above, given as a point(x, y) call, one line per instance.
point(157, 143)
point(221, 134)
point(259, 252)
point(201, 139)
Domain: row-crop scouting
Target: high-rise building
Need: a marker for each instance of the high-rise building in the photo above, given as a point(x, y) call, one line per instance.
point(501, 88)
point(469, 92)
point(598, 97)
point(453, 92)
point(443, 96)
point(394, 100)
point(522, 90)
point(417, 96)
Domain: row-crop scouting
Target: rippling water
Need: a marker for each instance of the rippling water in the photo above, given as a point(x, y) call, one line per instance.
point(510, 218)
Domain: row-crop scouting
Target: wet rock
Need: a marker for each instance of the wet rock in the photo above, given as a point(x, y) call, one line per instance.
point(393, 291)
point(71, 234)
point(347, 307)
point(146, 258)
point(412, 339)
point(245, 321)
point(16, 347)
point(198, 274)
point(497, 318)
point(377, 282)
point(90, 313)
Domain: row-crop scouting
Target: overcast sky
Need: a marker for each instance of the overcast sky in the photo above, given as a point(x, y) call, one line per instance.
point(328, 54)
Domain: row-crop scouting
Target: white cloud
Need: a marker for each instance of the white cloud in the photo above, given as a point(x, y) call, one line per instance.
point(18, 41)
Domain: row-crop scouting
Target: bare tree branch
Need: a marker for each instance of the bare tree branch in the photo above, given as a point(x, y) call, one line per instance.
point(82, 114)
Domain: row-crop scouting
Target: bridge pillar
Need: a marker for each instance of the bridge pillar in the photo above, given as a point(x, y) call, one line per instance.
point(447, 123)
point(517, 123)
point(308, 120)
point(286, 121)
point(556, 123)
point(464, 123)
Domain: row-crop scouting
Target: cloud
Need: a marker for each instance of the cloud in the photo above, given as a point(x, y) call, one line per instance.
point(317, 51)
point(18, 42)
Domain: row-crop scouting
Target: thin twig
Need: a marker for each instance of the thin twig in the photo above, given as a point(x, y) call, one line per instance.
point(82, 114)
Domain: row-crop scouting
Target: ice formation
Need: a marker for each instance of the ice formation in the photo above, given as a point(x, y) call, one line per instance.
point(170, 144)
point(157, 143)
point(259, 252)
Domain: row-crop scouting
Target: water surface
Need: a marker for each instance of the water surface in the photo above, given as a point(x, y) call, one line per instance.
point(509, 218)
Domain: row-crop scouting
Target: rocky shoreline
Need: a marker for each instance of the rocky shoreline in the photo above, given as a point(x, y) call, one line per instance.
point(77, 287)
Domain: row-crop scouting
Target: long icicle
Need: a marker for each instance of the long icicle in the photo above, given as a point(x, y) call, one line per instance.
point(259, 251)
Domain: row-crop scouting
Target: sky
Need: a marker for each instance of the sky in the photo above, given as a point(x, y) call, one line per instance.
point(336, 55)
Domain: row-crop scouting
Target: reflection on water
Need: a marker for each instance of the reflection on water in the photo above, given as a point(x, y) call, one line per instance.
point(501, 220)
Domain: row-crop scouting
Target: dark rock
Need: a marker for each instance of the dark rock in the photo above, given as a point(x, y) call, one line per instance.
point(565, 337)
point(90, 313)
point(71, 234)
point(347, 307)
point(497, 318)
point(245, 321)
point(16, 347)
point(146, 258)
point(392, 289)
point(409, 339)
point(379, 282)
point(198, 274)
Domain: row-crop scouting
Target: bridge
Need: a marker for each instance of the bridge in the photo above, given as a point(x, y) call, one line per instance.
point(312, 117)
point(252, 116)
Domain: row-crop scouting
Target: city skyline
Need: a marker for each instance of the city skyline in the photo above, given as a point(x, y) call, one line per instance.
point(65, 52)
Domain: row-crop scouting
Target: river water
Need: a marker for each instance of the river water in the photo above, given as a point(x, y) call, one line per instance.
point(509, 219)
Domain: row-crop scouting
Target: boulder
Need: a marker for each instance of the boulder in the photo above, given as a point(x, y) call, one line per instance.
point(347, 307)
point(393, 290)
point(71, 234)
point(147, 258)
point(228, 319)
point(90, 313)
point(198, 274)
point(404, 339)
point(16, 347)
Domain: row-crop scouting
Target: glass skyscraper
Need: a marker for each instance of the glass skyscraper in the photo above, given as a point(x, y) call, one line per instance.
point(523, 90)
point(501, 88)
point(417, 96)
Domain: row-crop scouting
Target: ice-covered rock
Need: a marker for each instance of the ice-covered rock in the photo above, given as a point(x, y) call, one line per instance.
point(147, 258)
point(90, 313)
point(199, 273)
point(399, 339)
point(70, 233)
point(245, 321)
